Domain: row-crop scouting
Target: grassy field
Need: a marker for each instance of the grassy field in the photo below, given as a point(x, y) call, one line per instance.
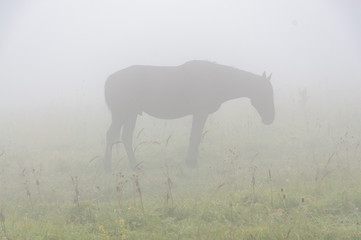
point(299, 178)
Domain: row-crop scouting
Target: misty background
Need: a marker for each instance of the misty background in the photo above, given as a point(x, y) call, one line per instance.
point(56, 55)
point(298, 178)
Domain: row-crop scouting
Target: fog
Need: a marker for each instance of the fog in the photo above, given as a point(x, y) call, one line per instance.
point(299, 176)
point(56, 56)
point(62, 52)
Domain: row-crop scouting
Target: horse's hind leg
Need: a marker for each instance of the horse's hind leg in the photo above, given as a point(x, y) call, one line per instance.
point(112, 136)
point(127, 137)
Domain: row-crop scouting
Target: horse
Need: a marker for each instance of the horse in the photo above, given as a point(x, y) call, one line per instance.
point(196, 88)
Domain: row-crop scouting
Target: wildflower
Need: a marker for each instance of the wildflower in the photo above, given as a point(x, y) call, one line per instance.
point(123, 230)
point(104, 233)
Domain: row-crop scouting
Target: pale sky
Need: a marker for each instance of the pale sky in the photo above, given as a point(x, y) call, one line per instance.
point(62, 51)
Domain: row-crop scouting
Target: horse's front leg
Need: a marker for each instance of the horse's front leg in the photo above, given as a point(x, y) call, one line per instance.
point(195, 139)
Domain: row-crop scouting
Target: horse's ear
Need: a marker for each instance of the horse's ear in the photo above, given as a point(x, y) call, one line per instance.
point(269, 77)
point(264, 75)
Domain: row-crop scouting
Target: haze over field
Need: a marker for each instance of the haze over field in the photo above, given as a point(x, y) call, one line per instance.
point(297, 178)
point(60, 53)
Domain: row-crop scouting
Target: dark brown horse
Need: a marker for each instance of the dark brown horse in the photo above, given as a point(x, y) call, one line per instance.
point(195, 88)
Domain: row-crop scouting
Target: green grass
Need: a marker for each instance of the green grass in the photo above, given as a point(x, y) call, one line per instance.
point(224, 213)
point(297, 179)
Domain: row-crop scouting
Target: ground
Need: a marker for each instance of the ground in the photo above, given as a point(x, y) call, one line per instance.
point(299, 178)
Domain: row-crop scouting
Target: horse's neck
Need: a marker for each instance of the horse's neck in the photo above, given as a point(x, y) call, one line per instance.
point(242, 87)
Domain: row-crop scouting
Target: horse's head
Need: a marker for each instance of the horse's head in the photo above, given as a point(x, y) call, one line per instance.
point(262, 99)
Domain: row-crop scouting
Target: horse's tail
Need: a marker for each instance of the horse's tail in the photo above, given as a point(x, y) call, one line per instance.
point(108, 93)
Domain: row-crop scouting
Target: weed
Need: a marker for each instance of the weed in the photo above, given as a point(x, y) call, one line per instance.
point(120, 187)
point(138, 189)
point(27, 187)
point(75, 181)
point(169, 195)
point(3, 227)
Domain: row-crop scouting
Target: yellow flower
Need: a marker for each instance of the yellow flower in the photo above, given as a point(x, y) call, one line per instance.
point(104, 233)
point(123, 230)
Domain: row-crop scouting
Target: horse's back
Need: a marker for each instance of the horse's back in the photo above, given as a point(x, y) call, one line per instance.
point(168, 92)
point(165, 92)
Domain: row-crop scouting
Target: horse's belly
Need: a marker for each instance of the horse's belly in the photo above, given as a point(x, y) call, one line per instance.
point(168, 112)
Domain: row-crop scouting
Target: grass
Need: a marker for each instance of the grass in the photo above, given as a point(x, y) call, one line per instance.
point(298, 179)
point(221, 214)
